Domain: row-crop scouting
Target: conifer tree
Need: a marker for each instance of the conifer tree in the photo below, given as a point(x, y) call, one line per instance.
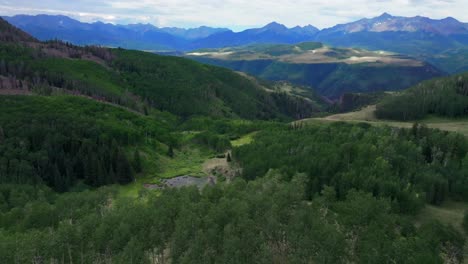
point(2, 135)
point(137, 161)
point(170, 152)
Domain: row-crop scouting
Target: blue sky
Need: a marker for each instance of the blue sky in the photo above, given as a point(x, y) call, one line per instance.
point(235, 14)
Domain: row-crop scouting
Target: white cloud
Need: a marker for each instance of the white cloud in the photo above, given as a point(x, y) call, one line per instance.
point(235, 13)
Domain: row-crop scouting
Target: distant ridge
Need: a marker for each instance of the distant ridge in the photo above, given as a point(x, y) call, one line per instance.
point(442, 42)
point(150, 37)
point(388, 23)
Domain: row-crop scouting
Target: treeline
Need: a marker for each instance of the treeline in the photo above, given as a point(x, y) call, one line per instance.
point(354, 101)
point(407, 166)
point(268, 220)
point(60, 141)
point(446, 97)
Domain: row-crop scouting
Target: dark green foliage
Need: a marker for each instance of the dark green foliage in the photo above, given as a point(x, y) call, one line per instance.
point(137, 161)
point(263, 221)
point(403, 165)
point(465, 222)
point(443, 97)
point(61, 140)
point(188, 88)
point(140, 80)
point(216, 142)
point(170, 151)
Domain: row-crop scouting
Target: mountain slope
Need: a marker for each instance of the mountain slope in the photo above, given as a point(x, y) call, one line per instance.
point(149, 37)
point(419, 37)
point(139, 80)
point(332, 71)
point(388, 23)
point(46, 27)
point(9, 33)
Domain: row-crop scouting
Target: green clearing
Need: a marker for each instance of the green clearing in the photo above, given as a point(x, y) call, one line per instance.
point(247, 139)
point(187, 161)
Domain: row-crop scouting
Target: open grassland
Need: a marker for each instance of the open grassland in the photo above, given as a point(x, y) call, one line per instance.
point(367, 115)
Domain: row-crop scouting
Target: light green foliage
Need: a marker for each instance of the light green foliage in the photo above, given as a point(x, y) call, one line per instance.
point(263, 221)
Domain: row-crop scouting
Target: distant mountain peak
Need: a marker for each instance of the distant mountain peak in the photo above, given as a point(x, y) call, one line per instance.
point(451, 19)
point(385, 15)
point(389, 23)
point(275, 26)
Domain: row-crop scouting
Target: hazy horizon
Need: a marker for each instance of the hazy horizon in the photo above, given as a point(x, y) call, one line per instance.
point(235, 15)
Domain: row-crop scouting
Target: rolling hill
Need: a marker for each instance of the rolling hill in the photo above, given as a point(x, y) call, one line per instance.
point(443, 97)
point(138, 80)
point(332, 71)
point(407, 35)
point(104, 154)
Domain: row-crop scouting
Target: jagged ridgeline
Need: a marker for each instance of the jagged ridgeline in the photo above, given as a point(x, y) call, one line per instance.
point(138, 80)
point(445, 97)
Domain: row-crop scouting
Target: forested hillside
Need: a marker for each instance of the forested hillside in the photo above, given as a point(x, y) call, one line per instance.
point(63, 140)
point(407, 166)
point(446, 97)
point(306, 197)
point(117, 156)
point(137, 80)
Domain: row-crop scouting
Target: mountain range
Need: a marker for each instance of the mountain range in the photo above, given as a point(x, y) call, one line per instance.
point(443, 42)
point(149, 37)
